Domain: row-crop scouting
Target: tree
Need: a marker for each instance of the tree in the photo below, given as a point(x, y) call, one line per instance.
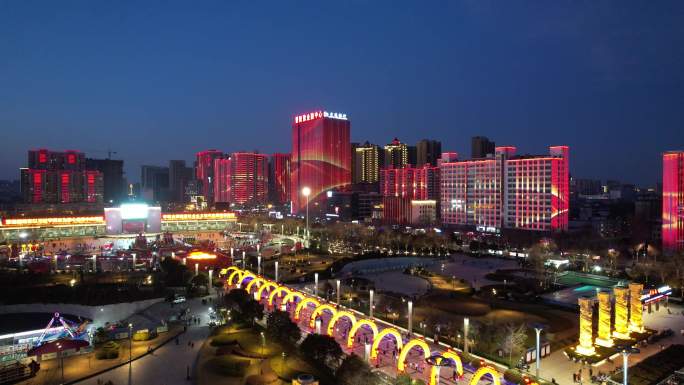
point(243, 306)
point(321, 349)
point(513, 341)
point(279, 327)
point(355, 371)
point(405, 379)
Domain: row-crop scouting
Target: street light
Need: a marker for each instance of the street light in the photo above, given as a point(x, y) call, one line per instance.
point(263, 342)
point(538, 329)
point(130, 353)
point(626, 350)
point(306, 191)
point(61, 360)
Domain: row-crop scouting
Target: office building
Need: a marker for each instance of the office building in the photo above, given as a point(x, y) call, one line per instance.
point(401, 186)
point(179, 176)
point(204, 172)
point(154, 183)
point(507, 191)
point(112, 176)
point(428, 152)
point(481, 146)
point(241, 179)
point(321, 159)
point(60, 177)
point(366, 160)
point(673, 202)
point(279, 179)
point(396, 154)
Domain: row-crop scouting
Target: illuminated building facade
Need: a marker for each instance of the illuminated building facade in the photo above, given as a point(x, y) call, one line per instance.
point(241, 179)
point(321, 158)
point(279, 179)
point(396, 154)
point(204, 172)
point(366, 163)
point(505, 190)
point(407, 184)
point(60, 177)
point(673, 201)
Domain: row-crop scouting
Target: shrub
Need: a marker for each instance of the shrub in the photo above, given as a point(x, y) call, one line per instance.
point(108, 351)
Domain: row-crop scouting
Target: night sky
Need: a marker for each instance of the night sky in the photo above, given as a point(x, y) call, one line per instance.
point(160, 80)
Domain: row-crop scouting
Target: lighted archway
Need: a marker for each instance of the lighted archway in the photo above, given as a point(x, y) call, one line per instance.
point(319, 310)
point(357, 326)
point(253, 282)
point(336, 317)
point(378, 338)
point(416, 342)
point(280, 289)
point(304, 302)
point(268, 284)
point(448, 355)
point(245, 275)
point(479, 373)
point(227, 270)
point(237, 273)
point(291, 297)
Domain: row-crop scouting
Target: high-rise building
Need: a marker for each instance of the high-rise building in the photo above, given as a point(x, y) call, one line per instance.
point(204, 172)
point(113, 177)
point(279, 179)
point(60, 177)
point(481, 146)
point(321, 158)
point(401, 186)
point(673, 202)
point(428, 152)
point(241, 178)
point(179, 175)
point(396, 154)
point(366, 160)
point(521, 192)
point(154, 183)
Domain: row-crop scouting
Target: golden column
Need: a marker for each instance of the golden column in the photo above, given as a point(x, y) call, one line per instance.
point(621, 316)
point(586, 332)
point(605, 307)
point(636, 310)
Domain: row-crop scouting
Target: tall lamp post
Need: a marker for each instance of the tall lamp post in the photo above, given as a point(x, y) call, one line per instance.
point(626, 350)
point(130, 354)
point(538, 329)
point(306, 191)
point(61, 360)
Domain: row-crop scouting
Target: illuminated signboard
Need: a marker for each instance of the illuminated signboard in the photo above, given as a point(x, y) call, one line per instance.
point(21, 222)
point(319, 114)
point(655, 295)
point(134, 211)
point(199, 255)
point(197, 216)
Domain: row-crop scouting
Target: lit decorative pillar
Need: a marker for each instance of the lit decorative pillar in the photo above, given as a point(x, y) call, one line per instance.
point(466, 324)
point(259, 265)
point(586, 332)
point(621, 313)
point(366, 352)
point(636, 310)
point(95, 263)
point(370, 304)
point(244, 259)
point(231, 254)
point(196, 269)
point(410, 317)
point(605, 307)
point(318, 326)
point(276, 271)
point(185, 261)
point(316, 284)
point(211, 275)
point(133, 261)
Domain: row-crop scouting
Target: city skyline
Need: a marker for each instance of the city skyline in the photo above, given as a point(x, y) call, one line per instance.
point(547, 73)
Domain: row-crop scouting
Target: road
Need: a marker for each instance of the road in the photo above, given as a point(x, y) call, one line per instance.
point(169, 364)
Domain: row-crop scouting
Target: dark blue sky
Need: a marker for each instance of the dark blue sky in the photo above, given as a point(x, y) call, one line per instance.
point(157, 80)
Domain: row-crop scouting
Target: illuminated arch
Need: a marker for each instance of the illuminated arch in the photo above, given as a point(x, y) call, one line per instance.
point(291, 296)
point(253, 282)
point(280, 289)
point(336, 317)
point(305, 301)
point(227, 270)
point(357, 326)
point(479, 373)
point(378, 338)
point(245, 275)
point(263, 287)
point(416, 342)
point(237, 273)
point(319, 310)
point(448, 355)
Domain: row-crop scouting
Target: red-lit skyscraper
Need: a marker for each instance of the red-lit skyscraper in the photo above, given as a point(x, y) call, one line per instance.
point(279, 179)
point(673, 201)
point(400, 186)
point(505, 190)
point(321, 158)
point(241, 179)
point(204, 172)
